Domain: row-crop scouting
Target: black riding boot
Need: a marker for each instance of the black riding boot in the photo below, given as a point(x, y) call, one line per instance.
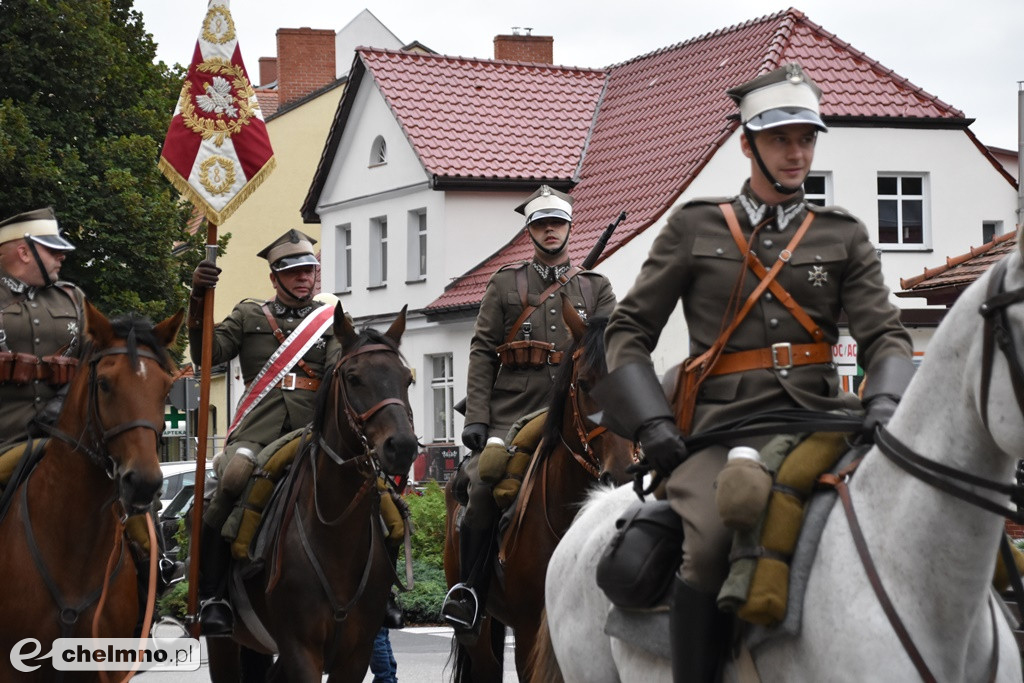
point(393, 616)
point(699, 634)
point(464, 605)
point(215, 557)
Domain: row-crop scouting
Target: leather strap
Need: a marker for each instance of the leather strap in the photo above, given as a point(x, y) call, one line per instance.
point(279, 335)
point(529, 309)
point(778, 356)
point(293, 381)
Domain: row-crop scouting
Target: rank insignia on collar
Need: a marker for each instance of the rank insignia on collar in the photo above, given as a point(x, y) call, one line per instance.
point(818, 276)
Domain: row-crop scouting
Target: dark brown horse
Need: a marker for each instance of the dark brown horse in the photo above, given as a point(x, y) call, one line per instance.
point(64, 524)
point(574, 454)
point(319, 599)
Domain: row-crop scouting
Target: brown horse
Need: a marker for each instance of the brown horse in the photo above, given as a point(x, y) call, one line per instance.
point(319, 599)
point(64, 524)
point(574, 454)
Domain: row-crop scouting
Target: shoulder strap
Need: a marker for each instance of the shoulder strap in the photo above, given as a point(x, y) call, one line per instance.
point(529, 309)
point(784, 297)
point(279, 335)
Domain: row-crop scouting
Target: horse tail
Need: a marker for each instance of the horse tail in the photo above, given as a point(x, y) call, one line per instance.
point(543, 664)
point(460, 659)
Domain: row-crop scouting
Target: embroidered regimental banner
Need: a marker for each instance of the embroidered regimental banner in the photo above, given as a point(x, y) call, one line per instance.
point(217, 150)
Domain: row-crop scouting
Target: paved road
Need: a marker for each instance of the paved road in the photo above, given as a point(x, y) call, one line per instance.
point(421, 653)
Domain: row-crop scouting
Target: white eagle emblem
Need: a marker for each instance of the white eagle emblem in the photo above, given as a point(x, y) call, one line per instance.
point(218, 99)
point(817, 275)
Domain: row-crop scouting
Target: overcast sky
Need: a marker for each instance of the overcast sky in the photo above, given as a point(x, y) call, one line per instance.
point(968, 54)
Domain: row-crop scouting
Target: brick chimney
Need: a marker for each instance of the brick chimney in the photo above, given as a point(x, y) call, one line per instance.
point(524, 48)
point(268, 70)
point(305, 62)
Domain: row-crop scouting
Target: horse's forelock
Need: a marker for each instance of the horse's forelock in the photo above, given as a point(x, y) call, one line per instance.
point(136, 330)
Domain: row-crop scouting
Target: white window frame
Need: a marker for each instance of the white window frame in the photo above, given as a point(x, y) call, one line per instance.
point(416, 246)
point(379, 251)
point(820, 199)
point(343, 269)
point(443, 415)
point(900, 198)
point(378, 152)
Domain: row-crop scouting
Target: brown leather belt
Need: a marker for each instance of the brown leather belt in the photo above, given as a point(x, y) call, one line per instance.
point(775, 357)
point(292, 381)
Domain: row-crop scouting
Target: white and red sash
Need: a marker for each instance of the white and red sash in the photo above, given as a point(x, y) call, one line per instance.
point(287, 354)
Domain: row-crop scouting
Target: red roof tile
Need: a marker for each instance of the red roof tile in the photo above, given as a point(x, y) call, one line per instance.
point(476, 118)
point(268, 99)
point(664, 115)
point(942, 284)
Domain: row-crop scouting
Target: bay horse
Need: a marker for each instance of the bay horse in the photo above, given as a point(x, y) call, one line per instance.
point(929, 499)
point(574, 454)
point(319, 599)
point(63, 533)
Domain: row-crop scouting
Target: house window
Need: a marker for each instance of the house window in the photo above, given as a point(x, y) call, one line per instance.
point(417, 247)
point(818, 189)
point(343, 279)
point(990, 230)
point(442, 397)
point(378, 152)
point(379, 251)
point(902, 219)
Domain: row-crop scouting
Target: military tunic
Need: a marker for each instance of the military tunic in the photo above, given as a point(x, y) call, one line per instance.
point(42, 322)
point(247, 334)
point(497, 395)
point(696, 261)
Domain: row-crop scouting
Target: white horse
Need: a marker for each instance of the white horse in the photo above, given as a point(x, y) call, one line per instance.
point(934, 552)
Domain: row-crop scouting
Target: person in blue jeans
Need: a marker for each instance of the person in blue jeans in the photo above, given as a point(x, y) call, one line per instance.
point(382, 662)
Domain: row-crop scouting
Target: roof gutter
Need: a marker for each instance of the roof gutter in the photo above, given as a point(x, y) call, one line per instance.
point(476, 183)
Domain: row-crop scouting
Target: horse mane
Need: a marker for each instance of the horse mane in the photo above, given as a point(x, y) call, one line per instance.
point(135, 330)
point(592, 359)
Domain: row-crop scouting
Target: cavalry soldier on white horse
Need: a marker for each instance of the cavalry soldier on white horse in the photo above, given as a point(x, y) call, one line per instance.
point(782, 270)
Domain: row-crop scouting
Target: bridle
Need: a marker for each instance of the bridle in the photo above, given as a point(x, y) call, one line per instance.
point(94, 439)
point(586, 459)
point(950, 480)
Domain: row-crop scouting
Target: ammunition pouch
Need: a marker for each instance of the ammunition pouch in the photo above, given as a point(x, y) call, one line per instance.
point(237, 472)
point(22, 368)
point(527, 355)
point(636, 569)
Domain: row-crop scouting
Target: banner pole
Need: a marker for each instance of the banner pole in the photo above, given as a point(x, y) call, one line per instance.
point(202, 429)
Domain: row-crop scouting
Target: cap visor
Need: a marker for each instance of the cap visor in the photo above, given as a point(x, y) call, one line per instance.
point(549, 213)
point(55, 242)
point(773, 118)
point(295, 261)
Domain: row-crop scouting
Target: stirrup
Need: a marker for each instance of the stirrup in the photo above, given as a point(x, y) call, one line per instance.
point(456, 621)
point(167, 569)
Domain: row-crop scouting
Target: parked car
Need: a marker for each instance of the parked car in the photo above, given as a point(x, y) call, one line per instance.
point(177, 475)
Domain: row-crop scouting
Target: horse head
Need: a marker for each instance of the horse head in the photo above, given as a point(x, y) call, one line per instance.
point(374, 382)
point(115, 407)
point(581, 368)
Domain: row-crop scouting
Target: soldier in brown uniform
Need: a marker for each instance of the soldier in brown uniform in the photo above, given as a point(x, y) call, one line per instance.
point(512, 364)
point(772, 360)
point(253, 332)
point(40, 324)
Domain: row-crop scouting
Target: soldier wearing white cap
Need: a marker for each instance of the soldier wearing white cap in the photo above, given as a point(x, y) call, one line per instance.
point(41, 321)
point(512, 367)
point(253, 332)
point(774, 354)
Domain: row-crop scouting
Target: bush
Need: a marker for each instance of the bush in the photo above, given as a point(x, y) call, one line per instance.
point(422, 605)
point(174, 603)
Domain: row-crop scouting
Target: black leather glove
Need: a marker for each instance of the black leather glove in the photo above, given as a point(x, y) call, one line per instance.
point(205, 275)
point(474, 436)
point(878, 412)
point(663, 445)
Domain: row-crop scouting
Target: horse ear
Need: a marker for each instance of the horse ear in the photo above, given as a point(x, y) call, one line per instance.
point(577, 326)
point(167, 331)
point(97, 327)
point(343, 328)
point(397, 328)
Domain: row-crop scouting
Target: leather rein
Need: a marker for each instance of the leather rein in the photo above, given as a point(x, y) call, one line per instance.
point(948, 479)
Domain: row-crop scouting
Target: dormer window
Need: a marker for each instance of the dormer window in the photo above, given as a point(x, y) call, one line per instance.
point(379, 152)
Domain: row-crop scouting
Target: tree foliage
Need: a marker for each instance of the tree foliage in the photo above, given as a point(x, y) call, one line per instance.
point(83, 112)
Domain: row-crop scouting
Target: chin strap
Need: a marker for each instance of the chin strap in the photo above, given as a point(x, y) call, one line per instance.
point(302, 300)
point(779, 187)
point(39, 262)
point(549, 252)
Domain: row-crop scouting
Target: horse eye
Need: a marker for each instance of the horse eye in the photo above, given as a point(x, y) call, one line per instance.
point(104, 384)
point(584, 385)
point(352, 379)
